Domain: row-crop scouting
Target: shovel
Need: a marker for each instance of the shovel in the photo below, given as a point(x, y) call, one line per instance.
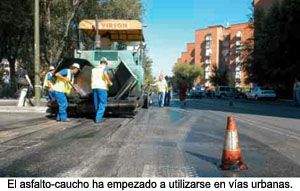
point(78, 90)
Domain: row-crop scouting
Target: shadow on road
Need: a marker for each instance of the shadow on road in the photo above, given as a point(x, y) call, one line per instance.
point(212, 160)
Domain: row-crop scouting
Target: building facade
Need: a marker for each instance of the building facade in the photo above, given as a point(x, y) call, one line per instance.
point(221, 47)
point(189, 55)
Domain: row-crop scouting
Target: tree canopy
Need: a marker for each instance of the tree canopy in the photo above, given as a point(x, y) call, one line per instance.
point(219, 76)
point(188, 71)
point(59, 20)
point(274, 61)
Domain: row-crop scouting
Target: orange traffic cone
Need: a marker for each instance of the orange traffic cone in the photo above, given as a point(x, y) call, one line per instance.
point(232, 155)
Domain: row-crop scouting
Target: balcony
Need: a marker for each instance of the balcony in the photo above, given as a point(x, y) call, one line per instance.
point(208, 37)
point(238, 46)
point(239, 35)
point(207, 73)
point(207, 46)
point(207, 62)
point(208, 52)
point(238, 75)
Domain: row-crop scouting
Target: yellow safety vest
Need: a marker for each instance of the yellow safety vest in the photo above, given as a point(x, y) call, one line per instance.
point(97, 80)
point(63, 86)
point(161, 86)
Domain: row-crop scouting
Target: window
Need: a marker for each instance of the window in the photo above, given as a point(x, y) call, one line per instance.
point(207, 61)
point(239, 34)
point(207, 68)
point(208, 37)
point(208, 45)
point(208, 41)
point(238, 46)
point(207, 72)
point(238, 75)
point(208, 52)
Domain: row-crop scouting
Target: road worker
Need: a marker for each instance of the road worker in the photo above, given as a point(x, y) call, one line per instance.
point(162, 87)
point(48, 84)
point(63, 85)
point(99, 83)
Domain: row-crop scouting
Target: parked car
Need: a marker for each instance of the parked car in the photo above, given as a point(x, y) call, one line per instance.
point(196, 92)
point(240, 93)
point(259, 93)
point(224, 91)
point(209, 93)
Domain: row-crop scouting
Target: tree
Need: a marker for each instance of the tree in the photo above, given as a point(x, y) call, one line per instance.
point(274, 61)
point(60, 20)
point(188, 71)
point(147, 66)
point(219, 76)
point(59, 26)
point(122, 9)
point(16, 32)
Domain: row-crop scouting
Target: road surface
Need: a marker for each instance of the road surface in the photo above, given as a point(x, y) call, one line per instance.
point(158, 142)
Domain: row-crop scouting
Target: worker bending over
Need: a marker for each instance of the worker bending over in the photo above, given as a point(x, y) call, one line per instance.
point(63, 85)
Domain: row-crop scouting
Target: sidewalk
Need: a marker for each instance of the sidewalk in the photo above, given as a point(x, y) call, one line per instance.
point(10, 106)
point(6, 102)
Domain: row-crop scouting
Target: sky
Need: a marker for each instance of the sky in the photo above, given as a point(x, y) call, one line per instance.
point(170, 24)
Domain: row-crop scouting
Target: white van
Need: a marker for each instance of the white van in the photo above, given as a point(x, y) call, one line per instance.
point(224, 91)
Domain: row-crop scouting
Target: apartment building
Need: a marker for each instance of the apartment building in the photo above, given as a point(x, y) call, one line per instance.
point(189, 55)
point(221, 47)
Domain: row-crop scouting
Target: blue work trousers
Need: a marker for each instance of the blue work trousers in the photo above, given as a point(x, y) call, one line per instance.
point(161, 99)
point(100, 101)
point(62, 106)
point(50, 95)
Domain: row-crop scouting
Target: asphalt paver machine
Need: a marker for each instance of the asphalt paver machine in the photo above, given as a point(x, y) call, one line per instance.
point(122, 43)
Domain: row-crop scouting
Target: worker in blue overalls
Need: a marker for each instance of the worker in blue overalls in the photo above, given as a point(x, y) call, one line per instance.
point(99, 83)
point(63, 85)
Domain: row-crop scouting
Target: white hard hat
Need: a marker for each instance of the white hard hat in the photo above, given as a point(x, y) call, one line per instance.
point(76, 65)
point(103, 59)
point(51, 68)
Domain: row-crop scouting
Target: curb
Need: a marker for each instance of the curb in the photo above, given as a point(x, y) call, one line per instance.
point(14, 102)
point(15, 109)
